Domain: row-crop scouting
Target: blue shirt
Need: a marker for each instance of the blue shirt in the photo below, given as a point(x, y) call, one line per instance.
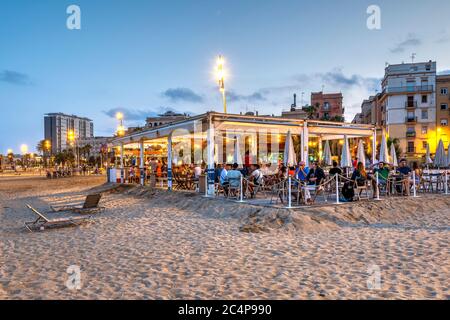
point(300, 175)
point(223, 175)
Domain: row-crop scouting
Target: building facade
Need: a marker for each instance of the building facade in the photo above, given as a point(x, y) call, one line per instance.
point(97, 145)
point(165, 118)
point(442, 108)
point(408, 101)
point(58, 125)
point(329, 106)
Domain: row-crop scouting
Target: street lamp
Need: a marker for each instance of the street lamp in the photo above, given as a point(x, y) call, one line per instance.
point(120, 127)
point(24, 150)
point(71, 138)
point(221, 79)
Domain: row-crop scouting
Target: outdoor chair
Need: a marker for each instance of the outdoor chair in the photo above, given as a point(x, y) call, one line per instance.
point(90, 205)
point(360, 188)
point(43, 222)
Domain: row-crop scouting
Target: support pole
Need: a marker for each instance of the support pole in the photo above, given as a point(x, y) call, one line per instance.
point(241, 189)
point(337, 188)
point(305, 150)
point(289, 192)
point(210, 157)
point(122, 173)
point(374, 146)
point(414, 184)
point(446, 182)
point(169, 162)
point(142, 168)
point(378, 186)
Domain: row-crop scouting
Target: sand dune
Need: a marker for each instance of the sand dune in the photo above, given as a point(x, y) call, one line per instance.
point(154, 245)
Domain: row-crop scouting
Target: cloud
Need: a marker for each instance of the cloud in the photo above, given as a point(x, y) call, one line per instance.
point(444, 73)
point(14, 77)
point(182, 94)
point(443, 37)
point(255, 97)
point(138, 114)
point(411, 41)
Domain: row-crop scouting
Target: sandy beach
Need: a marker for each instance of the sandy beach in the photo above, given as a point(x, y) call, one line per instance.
point(151, 244)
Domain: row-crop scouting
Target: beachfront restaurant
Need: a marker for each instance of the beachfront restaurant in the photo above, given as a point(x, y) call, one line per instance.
point(214, 138)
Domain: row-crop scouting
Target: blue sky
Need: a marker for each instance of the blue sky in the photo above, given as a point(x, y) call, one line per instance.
point(147, 56)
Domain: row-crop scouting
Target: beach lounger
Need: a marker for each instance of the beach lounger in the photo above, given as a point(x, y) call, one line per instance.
point(90, 205)
point(42, 221)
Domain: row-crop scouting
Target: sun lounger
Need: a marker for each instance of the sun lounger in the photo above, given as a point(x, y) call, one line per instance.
point(43, 222)
point(90, 205)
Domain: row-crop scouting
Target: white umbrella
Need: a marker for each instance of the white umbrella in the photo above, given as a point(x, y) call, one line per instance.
point(384, 157)
point(327, 154)
point(237, 157)
point(289, 158)
point(361, 155)
point(346, 159)
point(427, 156)
point(393, 155)
point(439, 159)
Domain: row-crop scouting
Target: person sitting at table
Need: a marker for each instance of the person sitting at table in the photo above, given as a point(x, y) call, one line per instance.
point(223, 175)
point(255, 178)
point(417, 172)
point(335, 169)
point(302, 171)
point(233, 177)
point(383, 175)
point(405, 171)
point(359, 174)
point(314, 178)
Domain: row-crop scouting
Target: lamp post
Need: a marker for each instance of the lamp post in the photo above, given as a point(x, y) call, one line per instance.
point(72, 140)
point(221, 79)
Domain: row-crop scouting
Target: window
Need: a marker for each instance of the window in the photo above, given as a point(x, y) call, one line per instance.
point(424, 144)
point(424, 129)
point(411, 148)
point(444, 91)
point(444, 106)
point(424, 98)
point(444, 122)
point(428, 67)
point(326, 106)
point(424, 114)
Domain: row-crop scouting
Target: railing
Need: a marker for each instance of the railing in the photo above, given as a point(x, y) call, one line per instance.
point(411, 119)
point(410, 134)
point(426, 88)
point(411, 150)
point(411, 104)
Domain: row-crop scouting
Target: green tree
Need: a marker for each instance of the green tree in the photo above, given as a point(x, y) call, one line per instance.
point(311, 110)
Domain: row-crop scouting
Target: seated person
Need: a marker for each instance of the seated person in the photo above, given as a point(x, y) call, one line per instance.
point(335, 169)
point(314, 178)
point(255, 179)
point(233, 178)
point(359, 175)
point(302, 171)
point(223, 175)
point(383, 175)
point(405, 171)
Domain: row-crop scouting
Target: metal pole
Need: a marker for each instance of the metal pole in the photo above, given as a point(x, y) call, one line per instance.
point(122, 173)
point(206, 185)
point(446, 181)
point(289, 193)
point(142, 168)
point(224, 101)
point(378, 187)
point(414, 184)
point(241, 190)
point(337, 188)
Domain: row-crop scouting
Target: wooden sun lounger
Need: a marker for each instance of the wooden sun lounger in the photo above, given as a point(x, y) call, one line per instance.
point(90, 205)
point(42, 221)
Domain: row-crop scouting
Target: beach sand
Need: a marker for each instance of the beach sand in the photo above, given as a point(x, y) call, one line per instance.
point(151, 244)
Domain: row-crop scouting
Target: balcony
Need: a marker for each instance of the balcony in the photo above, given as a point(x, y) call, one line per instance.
point(408, 89)
point(410, 150)
point(411, 119)
point(410, 134)
point(410, 104)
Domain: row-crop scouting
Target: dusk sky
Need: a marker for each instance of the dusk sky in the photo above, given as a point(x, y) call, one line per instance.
point(144, 57)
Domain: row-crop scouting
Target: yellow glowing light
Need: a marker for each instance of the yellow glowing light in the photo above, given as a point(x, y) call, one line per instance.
point(439, 129)
point(119, 115)
point(341, 142)
point(24, 148)
point(10, 151)
point(120, 130)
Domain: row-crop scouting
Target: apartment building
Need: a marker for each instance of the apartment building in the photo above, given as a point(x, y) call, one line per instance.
point(58, 125)
point(329, 105)
point(442, 108)
point(408, 105)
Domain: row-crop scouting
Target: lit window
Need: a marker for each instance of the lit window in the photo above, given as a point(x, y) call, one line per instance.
point(424, 144)
point(444, 122)
point(424, 129)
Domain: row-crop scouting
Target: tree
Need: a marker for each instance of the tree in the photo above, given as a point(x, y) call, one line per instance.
point(311, 110)
point(40, 146)
point(396, 143)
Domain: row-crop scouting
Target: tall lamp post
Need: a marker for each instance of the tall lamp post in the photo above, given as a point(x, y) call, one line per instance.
point(24, 150)
point(221, 79)
point(71, 139)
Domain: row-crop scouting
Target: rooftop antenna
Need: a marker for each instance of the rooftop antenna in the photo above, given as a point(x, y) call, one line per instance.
point(413, 56)
point(323, 88)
